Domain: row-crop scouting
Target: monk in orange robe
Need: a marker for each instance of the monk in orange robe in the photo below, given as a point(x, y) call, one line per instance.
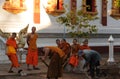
point(58, 43)
point(32, 56)
point(85, 45)
point(11, 52)
point(65, 46)
point(73, 61)
point(75, 47)
point(55, 65)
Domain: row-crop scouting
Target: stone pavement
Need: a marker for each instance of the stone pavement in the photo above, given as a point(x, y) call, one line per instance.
point(41, 74)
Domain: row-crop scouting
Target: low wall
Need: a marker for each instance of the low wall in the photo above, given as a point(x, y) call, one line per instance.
point(105, 49)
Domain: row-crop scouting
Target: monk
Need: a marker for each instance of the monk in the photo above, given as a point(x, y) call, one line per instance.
point(73, 61)
point(65, 46)
point(75, 46)
point(11, 53)
point(32, 56)
point(58, 43)
point(85, 45)
point(55, 65)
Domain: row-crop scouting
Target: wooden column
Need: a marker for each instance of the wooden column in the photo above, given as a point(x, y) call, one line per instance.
point(36, 11)
point(104, 13)
point(93, 5)
point(73, 9)
point(73, 5)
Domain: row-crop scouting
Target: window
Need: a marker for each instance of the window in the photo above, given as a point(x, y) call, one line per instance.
point(55, 7)
point(115, 10)
point(89, 7)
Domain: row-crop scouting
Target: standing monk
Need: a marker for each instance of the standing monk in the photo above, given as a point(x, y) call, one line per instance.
point(65, 46)
point(32, 56)
point(11, 53)
point(58, 43)
point(73, 61)
point(75, 47)
point(85, 45)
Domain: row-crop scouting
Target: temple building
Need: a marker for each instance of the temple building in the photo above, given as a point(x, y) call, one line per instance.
point(16, 14)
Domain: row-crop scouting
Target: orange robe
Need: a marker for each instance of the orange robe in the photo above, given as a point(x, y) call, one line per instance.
point(84, 47)
point(66, 48)
point(74, 58)
point(32, 56)
point(11, 52)
point(75, 48)
point(59, 46)
point(55, 65)
point(55, 49)
point(73, 61)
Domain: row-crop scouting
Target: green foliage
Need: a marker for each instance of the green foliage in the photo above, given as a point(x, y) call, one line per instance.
point(117, 3)
point(82, 26)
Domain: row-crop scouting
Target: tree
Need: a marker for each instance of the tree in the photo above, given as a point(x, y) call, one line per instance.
point(78, 24)
point(117, 4)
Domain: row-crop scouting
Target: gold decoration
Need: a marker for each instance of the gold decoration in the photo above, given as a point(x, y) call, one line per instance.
point(4, 35)
point(21, 36)
point(115, 10)
point(55, 7)
point(14, 6)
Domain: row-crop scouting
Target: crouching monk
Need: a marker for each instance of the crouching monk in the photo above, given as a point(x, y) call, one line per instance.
point(55, 65)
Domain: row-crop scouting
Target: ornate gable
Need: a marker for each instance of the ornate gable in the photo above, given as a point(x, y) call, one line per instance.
point(115, 10)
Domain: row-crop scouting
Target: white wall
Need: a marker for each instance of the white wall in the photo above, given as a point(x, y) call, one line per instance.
point(14, 22)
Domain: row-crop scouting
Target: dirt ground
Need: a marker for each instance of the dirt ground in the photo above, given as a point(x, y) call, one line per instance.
point(67, 75)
